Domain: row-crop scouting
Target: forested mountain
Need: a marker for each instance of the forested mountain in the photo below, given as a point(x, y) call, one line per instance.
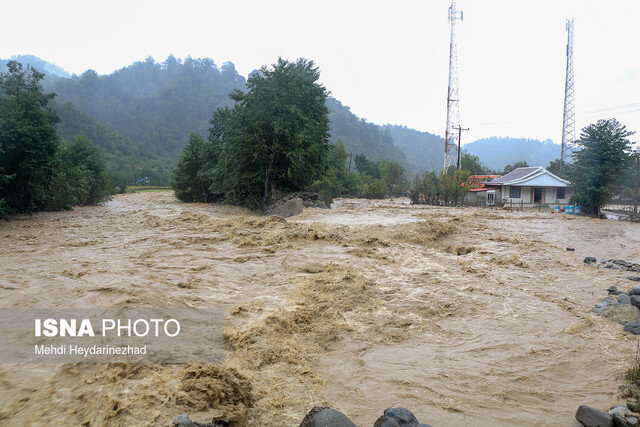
point(141, 117)
point(125, 161)
point(495, 153)
point(423, 150)
point(41, 65)
point(362, 137)
point(156, 105)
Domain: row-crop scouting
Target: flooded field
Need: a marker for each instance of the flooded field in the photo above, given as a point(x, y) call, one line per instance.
point(464, 316)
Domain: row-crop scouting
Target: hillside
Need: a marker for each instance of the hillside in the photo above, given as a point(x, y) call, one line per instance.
point(125, 161)
point(362, 137)
point(156, 105)
point(423, 150)
point(41, 65)
point(495, 153)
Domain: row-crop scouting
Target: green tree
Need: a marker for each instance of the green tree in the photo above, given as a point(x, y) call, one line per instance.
point(337, 180)
point(190, 179)
point(79, 176)
point(28, 140)
point(514, 166)
point(471, 163)
point(560, 168)
point(275, 136)
point(603, 155)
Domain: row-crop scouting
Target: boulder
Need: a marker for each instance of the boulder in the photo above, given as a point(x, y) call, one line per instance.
point(589, 260)
point(632, 406)
point(634, 278)
point(591, 417)
point(632, 422)
point(635, 300)
point(570, 249)
point(624, 298)
point(403, 417)
point(619, 413)
point(612, 289)
point(632, 327)
point(286, 208)
point(635, 291)
point(620, 313)
point(183, 420)
point(385, 421)
point(326, 417)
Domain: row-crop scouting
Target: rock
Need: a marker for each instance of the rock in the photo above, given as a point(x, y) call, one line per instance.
point(385, 421)
point(618, 413)
point(591, 417)
point(571, 249)
point(632, 327)
point(635, 291)
point(286, 208)
point(612, 289)
point(635, 300)
point(633, 406)
point(589, 260)
point(183, 420)
point(632, 422)
point(624, 298)
point(634, 278)
point(603, 261)
point(622, 410)
point(403, 416)
point(620, 313)
point(619, 420)
point(326, 417)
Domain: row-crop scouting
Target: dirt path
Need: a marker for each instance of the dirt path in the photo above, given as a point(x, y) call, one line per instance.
point(463, 315)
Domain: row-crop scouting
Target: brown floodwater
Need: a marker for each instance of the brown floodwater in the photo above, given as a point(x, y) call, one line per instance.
point(465, 316)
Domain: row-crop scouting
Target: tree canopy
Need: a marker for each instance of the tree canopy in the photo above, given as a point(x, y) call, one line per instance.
point(28, 139)
point(603, 154)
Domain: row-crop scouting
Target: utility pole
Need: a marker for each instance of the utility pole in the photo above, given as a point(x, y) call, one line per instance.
point(569, 115)
point(635, 205)
point(460, 129)
point(453, 109)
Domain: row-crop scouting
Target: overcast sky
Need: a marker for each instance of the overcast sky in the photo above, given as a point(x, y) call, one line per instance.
point(387, 60)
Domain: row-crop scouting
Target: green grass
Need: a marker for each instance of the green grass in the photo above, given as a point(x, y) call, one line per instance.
point(146, 189)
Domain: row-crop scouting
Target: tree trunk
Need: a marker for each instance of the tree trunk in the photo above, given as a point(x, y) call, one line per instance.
point(267, 181)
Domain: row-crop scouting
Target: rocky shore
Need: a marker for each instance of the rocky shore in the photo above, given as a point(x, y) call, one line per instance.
point(323, 416)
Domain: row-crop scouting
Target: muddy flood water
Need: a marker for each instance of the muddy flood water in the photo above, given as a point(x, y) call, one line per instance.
point(465, 316)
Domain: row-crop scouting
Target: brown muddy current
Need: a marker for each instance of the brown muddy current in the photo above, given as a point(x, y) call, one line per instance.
point(465, 316)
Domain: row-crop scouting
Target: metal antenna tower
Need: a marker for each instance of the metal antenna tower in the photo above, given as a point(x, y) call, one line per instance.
point(453, 107)
point(569, 116)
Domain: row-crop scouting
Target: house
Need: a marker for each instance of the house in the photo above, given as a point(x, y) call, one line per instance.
point(481, 192)
point(532, 186)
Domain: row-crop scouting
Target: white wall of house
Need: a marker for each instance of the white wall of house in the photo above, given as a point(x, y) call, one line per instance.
point(526, 195)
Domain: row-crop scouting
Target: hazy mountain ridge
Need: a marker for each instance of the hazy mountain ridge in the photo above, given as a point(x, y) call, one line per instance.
point(423, 150)
point(39, 64)
point(497, 152)
point(156, 105)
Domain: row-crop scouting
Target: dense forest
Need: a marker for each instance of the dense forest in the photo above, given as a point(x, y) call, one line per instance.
point(141, 117)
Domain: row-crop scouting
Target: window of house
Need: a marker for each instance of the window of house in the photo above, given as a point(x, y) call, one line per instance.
point(491, 195)
point(560, 194)
point(514, 192)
